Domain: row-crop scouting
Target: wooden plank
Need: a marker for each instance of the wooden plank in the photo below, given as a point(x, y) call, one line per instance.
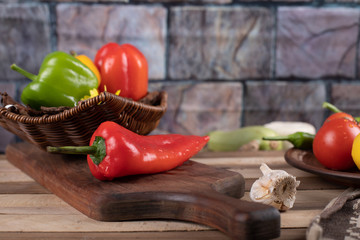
point(35, 204)
point(81, 223)
point(298, 218)
point(31, 200)
point(176, 235)
point(249, 168)
point(229, 162)
point(240, 154)
point(30, 187)
point(292, 234)
point(39, 209)
point(306, 183)
point(9, 173)
point(252, 173)
point(309, 199)
point(14, 176)
point(315, 199)
point(6, 166)
point(304, 199)
point(248, 163)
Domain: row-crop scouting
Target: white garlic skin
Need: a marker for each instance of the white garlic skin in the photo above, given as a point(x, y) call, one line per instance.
point(276, 188)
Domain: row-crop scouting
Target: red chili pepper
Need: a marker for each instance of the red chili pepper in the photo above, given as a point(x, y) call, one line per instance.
point(122, 67)
point(115, 151)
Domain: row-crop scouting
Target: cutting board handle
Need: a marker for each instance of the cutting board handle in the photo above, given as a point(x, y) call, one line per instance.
point(238, 219)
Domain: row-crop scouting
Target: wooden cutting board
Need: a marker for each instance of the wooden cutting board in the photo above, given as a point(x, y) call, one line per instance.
point(192, 192)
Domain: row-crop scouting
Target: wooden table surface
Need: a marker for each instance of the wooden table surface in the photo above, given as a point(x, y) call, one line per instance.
point(29, 211)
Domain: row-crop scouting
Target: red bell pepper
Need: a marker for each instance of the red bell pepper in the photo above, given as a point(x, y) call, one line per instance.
point(122, 67)
point(115, 151)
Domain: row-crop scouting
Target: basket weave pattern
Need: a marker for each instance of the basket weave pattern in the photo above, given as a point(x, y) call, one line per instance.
point(76, 125)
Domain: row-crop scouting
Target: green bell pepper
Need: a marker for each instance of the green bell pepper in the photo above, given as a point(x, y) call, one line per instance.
point(62, 81)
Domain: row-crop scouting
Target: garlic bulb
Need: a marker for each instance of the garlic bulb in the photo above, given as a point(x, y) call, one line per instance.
point(275, 187)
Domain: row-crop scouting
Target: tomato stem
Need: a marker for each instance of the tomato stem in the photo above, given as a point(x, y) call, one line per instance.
point(331, 107)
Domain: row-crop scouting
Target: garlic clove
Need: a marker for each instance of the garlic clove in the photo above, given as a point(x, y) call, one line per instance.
point(275, 187)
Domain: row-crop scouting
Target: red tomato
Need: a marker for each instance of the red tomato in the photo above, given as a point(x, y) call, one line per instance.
point(333, 143)
point(122, 67)
point(340, 115)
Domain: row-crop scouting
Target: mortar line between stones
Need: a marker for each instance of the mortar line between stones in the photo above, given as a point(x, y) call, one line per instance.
point(328, 91)
point(274, 43)
point(243, 104)
point(53, 22)
point(167, 43)
point(356, 69)
point(318, 3)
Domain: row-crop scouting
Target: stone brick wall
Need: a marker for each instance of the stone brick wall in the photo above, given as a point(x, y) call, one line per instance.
point(224, 63)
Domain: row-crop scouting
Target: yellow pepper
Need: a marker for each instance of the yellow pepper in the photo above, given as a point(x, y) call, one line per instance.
point(355, 151)
point(89, 63)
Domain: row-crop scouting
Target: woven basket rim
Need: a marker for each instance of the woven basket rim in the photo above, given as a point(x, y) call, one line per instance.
point(83, 106)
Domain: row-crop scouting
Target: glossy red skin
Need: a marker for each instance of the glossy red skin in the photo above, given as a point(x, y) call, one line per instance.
point(103, 52)
point(122, 67)
point(333, 143)
point(128, 153)
point(340, 115)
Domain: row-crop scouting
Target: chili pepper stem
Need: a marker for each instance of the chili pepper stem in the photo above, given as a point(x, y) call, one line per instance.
point(18, 69)
point(331, 107)
point(97, 151)
point(280, 138)
point(73, 149)
point(301, 140)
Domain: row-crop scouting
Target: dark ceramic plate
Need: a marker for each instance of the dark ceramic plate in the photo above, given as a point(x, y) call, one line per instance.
point(306, 161)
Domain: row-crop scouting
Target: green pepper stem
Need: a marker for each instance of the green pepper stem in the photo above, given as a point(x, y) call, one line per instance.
point(31, 76)
point(73, 53)
point(331, 107)
point(97, 151)
point(73, 149)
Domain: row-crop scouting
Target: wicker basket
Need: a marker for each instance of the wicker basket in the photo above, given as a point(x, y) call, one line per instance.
point(75, 126)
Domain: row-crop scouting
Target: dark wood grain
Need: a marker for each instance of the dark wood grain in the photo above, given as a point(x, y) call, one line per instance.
point(192, 192)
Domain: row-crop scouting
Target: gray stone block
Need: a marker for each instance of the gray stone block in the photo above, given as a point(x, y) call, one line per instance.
point(220, 42)
point(315, 42)
point(24, 38)
point(280, 101)
point(200, 108)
